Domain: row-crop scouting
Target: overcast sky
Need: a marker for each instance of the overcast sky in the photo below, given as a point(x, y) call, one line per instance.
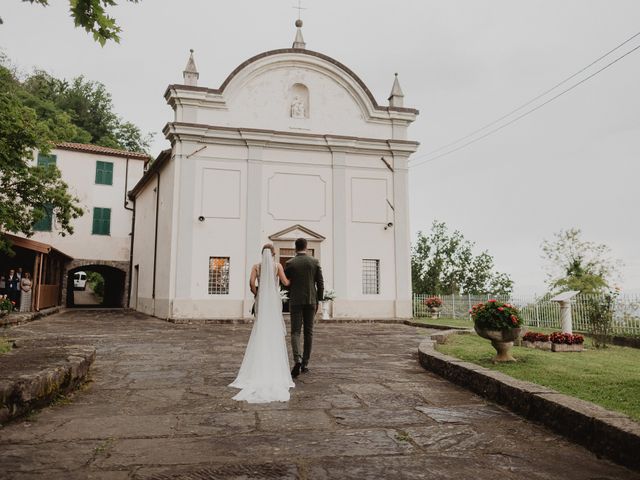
point(463, 64)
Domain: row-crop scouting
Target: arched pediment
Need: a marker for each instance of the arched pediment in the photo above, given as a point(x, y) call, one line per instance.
point(292, 89)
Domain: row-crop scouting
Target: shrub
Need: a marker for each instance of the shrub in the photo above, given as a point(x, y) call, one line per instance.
point(495, 315)
point(6, 305)
point(600, 317)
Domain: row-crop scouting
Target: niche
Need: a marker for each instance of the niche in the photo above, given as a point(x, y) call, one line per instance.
point(299, 101)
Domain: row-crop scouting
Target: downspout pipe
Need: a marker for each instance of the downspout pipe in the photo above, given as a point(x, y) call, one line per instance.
point(133, 228)
point(133, 234)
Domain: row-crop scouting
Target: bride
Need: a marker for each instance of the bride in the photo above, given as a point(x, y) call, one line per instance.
point(264, 374)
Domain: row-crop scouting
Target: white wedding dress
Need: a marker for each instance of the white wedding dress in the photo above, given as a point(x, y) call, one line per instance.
point(264, 374)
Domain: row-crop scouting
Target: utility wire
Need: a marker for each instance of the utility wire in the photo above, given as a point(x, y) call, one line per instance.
point(528, 112)
point(484, 127)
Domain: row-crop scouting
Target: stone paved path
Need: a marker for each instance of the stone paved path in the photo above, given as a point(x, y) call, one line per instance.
point(158, 408)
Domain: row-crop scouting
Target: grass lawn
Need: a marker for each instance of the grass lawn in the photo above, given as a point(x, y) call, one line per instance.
point(609, 377)
point(5, 346)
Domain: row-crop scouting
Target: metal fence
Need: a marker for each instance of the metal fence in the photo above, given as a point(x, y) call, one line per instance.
point(539, 311)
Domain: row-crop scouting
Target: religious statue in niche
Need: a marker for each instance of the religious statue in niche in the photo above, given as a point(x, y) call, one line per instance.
point(298, 110)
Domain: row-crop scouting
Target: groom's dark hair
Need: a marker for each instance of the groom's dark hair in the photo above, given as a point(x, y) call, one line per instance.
point(301, 244)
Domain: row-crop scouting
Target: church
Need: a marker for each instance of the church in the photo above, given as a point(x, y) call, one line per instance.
point(292, 144)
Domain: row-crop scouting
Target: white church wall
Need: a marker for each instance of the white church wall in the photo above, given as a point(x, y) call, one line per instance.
point(218, 194)
point(300, 194)
point(141, 294)
point(368, 188)
point(78, 170)
point(165, 231)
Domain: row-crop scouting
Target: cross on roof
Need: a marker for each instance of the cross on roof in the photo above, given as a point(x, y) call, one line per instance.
point(299, 8)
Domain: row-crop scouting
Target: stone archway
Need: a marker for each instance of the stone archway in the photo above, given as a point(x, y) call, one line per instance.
point(116, 281)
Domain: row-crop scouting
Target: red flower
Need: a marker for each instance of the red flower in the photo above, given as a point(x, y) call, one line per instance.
point(500, 309)
point(492, 301)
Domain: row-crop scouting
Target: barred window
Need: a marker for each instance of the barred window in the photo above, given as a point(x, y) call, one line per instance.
point(218, 275)
point(370, 276)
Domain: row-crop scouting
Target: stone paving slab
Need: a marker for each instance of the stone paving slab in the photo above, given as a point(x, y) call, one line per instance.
point(158, 408)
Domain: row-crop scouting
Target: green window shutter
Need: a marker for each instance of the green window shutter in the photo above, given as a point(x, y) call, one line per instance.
point(46, 160)
point(106, 221)
point(44, 224)
point(97, 217)
point(98, 172)
point(101, 221)
point(104, 173)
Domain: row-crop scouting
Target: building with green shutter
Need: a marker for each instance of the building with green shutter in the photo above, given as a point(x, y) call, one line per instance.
point(100, 177)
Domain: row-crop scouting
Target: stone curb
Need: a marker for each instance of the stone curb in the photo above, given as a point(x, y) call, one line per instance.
point(606, 433)
point(15, 319)
point(23, 393)
point(435, 326)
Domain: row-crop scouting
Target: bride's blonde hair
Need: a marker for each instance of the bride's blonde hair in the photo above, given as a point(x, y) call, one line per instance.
point(270, 247)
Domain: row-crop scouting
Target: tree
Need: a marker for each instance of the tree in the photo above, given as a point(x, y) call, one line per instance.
point(79, 111)
point(34, 114)
point(575, 264)
point(92, 16)
point(28, 192)
point(443, 263)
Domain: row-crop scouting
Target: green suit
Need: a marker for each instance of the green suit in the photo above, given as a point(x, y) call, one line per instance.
point(305, 292)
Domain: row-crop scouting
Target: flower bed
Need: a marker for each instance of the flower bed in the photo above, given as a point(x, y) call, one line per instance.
point(556, 342)
point(566, 342)
point(536, 340)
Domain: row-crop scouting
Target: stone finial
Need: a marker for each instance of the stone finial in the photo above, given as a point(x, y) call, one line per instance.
point(299, 40)
point(396, 99)
point(190, 73)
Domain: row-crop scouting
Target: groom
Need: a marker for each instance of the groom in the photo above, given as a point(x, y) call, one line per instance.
point(305, 292)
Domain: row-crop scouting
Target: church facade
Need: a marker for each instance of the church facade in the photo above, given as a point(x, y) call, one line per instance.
point(292, 144)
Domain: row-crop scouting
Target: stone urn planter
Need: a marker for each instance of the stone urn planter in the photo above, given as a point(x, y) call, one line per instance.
point(502, 341)
point(326, 310)
point(434, 312)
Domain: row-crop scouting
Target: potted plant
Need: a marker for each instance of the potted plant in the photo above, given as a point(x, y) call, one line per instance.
point(566, 342)
point(433, 304)
point(499, 322)
point(536, 340)
point(329, 296)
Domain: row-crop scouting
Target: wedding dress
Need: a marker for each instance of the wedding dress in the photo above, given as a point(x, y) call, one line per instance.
point(264, 374)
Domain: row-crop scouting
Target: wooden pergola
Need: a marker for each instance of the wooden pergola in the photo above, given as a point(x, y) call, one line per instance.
point(48, 270)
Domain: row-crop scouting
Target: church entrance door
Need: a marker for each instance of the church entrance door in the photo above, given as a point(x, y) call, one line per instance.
point(284, 255)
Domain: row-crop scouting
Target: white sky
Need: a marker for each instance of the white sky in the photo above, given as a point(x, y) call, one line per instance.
point(462, 63)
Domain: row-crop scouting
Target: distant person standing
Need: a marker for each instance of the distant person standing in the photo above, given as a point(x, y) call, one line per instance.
point(13, 287)
point(25, 295)
point(3, 285)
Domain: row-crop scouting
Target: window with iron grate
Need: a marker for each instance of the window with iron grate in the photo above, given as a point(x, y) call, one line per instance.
point(370, 276)
point(218, 275)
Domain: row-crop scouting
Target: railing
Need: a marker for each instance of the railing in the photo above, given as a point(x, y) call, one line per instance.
point(538, 312)
point(47, 296)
